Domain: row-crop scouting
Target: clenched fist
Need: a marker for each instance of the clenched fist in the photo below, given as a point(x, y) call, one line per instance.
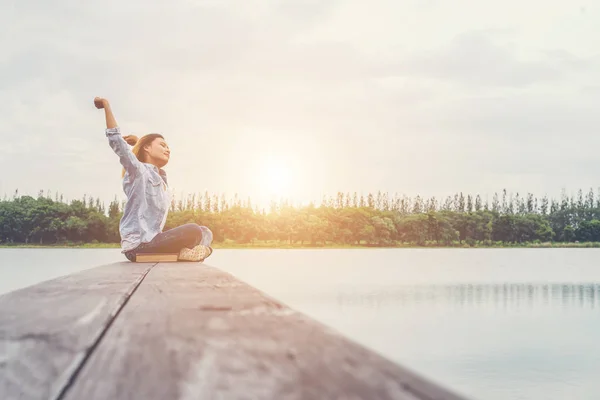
point(100, 103)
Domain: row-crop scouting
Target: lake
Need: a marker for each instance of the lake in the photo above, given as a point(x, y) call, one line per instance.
point(487, 323)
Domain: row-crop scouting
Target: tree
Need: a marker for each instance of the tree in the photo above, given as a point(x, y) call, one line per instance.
point(477, 203)
point(370, 201)
point(459, 219)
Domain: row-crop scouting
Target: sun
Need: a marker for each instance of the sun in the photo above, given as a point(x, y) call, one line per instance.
point(276, 177)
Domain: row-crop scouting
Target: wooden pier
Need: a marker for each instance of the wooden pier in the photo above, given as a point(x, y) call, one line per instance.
point(181, 331)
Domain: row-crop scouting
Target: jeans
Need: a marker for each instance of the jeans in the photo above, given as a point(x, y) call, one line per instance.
point(173, 240)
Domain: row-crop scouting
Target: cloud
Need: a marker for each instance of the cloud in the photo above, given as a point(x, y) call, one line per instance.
point(476, 59)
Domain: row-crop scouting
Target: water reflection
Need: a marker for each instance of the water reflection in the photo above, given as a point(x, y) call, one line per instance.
point(507, 295)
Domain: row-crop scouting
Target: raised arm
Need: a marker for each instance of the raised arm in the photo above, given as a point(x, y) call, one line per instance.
point(116, 141)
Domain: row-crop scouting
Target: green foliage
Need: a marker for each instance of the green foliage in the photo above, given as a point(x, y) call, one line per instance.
point(46, 221)
point(344, 219)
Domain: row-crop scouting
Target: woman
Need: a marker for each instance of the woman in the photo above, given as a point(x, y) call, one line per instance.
point(148, 199)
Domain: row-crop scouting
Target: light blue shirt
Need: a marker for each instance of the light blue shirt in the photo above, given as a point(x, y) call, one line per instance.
point(148, 196)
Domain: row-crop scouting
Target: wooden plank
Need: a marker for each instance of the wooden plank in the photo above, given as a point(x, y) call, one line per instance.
point(152, 257)
point(47, 330)
point(195, 332)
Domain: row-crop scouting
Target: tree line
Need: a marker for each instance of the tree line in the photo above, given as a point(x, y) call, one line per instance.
point(346, 219)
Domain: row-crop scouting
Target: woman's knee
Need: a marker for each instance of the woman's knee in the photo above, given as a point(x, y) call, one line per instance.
point(207, 236)
point(198, 234)
point(193, 230)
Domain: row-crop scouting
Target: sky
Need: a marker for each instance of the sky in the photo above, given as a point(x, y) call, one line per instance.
point(301, 98)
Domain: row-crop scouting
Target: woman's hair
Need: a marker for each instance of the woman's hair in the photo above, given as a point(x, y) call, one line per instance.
point(139, 144)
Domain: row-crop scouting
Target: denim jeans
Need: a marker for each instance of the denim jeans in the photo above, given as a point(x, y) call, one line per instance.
point(173, 240)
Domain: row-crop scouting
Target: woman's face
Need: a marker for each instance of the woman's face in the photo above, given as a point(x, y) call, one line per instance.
point(158, 152)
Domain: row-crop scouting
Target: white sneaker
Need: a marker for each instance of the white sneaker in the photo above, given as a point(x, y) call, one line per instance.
point(198, 253)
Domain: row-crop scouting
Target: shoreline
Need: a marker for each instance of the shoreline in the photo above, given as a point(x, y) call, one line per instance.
point(274, 246)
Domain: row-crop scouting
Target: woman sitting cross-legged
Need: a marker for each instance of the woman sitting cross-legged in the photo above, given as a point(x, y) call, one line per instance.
point(148, 198)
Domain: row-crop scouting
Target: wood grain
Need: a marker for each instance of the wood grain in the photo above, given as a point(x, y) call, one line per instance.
point(47, 330)
point(156, 257)
point(194, 332)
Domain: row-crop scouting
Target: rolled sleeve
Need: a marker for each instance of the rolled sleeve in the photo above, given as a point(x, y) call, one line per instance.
point(113, 131)
point(121, 149)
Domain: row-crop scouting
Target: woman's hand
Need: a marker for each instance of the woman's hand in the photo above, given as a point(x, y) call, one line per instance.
point(100, 103)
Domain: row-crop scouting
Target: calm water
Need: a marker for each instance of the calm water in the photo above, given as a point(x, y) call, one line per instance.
point(491, 324)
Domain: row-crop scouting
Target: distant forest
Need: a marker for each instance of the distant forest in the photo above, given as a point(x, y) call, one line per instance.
point(345, 219)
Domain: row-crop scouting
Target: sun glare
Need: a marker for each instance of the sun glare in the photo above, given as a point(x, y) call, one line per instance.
point(275, 178)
